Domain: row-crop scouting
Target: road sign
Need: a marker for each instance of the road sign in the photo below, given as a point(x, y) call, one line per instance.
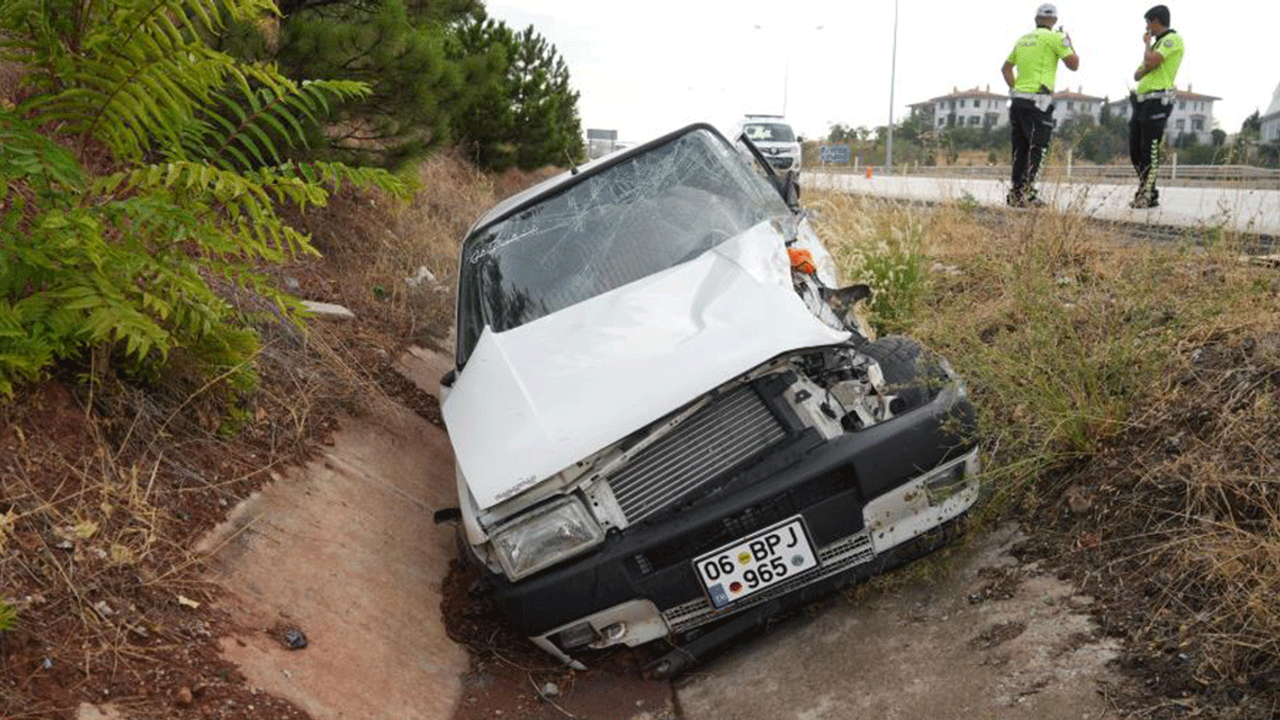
point(834, 154)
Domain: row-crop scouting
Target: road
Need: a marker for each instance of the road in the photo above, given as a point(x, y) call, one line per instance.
point(1240, 209)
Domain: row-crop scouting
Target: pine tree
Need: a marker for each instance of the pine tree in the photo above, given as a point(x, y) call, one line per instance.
point(484, 127)
point(405, 51)
point(529, 117)
point(547, 129)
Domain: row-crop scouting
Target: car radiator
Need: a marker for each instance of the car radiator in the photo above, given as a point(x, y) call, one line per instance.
point(727, 431)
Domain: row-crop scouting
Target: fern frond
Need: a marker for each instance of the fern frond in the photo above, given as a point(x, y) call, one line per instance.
point(123, 262)
point(261, 132)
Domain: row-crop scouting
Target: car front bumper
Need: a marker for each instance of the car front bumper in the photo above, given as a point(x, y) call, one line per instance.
point(860, 496)
point(782, 162)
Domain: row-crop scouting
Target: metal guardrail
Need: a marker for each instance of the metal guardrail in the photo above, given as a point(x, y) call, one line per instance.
point(1169, 174)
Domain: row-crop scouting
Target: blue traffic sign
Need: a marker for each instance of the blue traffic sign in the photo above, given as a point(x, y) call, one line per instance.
point(834, 154)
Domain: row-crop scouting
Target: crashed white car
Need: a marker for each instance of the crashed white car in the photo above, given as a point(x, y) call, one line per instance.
point(667, 422)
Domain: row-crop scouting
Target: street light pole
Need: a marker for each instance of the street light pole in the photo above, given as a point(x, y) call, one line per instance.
point(786, 82)
point(786, 73)
point(893, 71)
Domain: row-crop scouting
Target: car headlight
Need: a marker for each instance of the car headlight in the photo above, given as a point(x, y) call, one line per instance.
point(545, 536)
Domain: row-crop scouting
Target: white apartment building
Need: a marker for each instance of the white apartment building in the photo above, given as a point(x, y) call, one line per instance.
point(983, 108)
point(1067, 105)
point(1192, 115)
point(969, 108)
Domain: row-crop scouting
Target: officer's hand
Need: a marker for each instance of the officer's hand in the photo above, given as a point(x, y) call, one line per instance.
point(1146, 38)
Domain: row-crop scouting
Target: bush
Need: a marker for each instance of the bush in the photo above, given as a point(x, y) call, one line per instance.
point(147, 199)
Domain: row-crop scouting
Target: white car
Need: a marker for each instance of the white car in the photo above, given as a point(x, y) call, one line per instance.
point(666, 419)
point(773, 137)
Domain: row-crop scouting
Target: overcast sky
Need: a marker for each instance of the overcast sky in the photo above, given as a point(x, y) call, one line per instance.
point(644, 68)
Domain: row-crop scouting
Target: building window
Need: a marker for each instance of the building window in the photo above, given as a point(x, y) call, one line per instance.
point(1180, 123)
point(1197, 124)
point(1182, 104)
point(1071, 105)
point(942, 121)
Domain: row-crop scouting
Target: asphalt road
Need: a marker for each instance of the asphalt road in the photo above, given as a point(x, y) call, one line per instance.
point(1240, 209)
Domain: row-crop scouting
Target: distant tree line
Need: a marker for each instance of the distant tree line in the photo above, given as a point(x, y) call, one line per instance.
point(1105, 140)
point(441, 73)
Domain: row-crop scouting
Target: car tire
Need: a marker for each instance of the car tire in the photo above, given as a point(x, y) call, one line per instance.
point(910, 371)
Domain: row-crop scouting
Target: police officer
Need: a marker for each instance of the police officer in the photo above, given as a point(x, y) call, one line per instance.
point(1036, 57)
point(1152, 101)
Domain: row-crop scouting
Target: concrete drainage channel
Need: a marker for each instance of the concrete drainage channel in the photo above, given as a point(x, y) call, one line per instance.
point(985, 637)
point(345, 550)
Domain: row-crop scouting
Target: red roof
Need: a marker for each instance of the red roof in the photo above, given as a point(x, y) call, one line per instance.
point(971, 93)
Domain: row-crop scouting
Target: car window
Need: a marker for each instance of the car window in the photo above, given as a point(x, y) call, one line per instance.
point(769, 132)
point(640, 216)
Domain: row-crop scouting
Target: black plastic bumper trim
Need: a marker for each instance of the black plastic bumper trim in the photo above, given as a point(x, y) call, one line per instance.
point(871, 462)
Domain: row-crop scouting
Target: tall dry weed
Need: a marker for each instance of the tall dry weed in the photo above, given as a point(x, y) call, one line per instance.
point(395, 263)
point(1057, 331)
point(882, 245)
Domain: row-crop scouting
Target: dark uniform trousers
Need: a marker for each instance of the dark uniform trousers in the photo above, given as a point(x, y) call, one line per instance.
point(1146, 130)
point(1032, 129)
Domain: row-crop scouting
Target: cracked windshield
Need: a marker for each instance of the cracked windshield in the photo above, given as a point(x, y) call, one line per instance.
point(628, 221)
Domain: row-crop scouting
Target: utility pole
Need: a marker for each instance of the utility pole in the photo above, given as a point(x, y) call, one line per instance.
point(893, 71)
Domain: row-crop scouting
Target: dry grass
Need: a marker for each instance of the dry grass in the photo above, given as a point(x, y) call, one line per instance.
point(1209, 490)
point(1145, 377)
point(373, 249)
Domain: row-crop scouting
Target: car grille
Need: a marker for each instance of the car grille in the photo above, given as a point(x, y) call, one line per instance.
point(711, 441)
point(834, 558)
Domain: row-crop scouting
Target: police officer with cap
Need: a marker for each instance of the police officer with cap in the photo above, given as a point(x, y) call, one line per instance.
point(1152, 101)
point(1036, 57)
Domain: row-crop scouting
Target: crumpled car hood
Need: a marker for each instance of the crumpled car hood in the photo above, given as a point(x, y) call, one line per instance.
point(536, 399)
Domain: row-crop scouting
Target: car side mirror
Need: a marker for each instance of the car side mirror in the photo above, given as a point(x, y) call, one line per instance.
point(800, 139)
point(449, 378)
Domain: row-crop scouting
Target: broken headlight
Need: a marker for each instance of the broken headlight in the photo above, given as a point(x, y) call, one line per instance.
point(545, 536)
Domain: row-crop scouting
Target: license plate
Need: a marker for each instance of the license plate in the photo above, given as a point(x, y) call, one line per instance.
point(756, 562)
